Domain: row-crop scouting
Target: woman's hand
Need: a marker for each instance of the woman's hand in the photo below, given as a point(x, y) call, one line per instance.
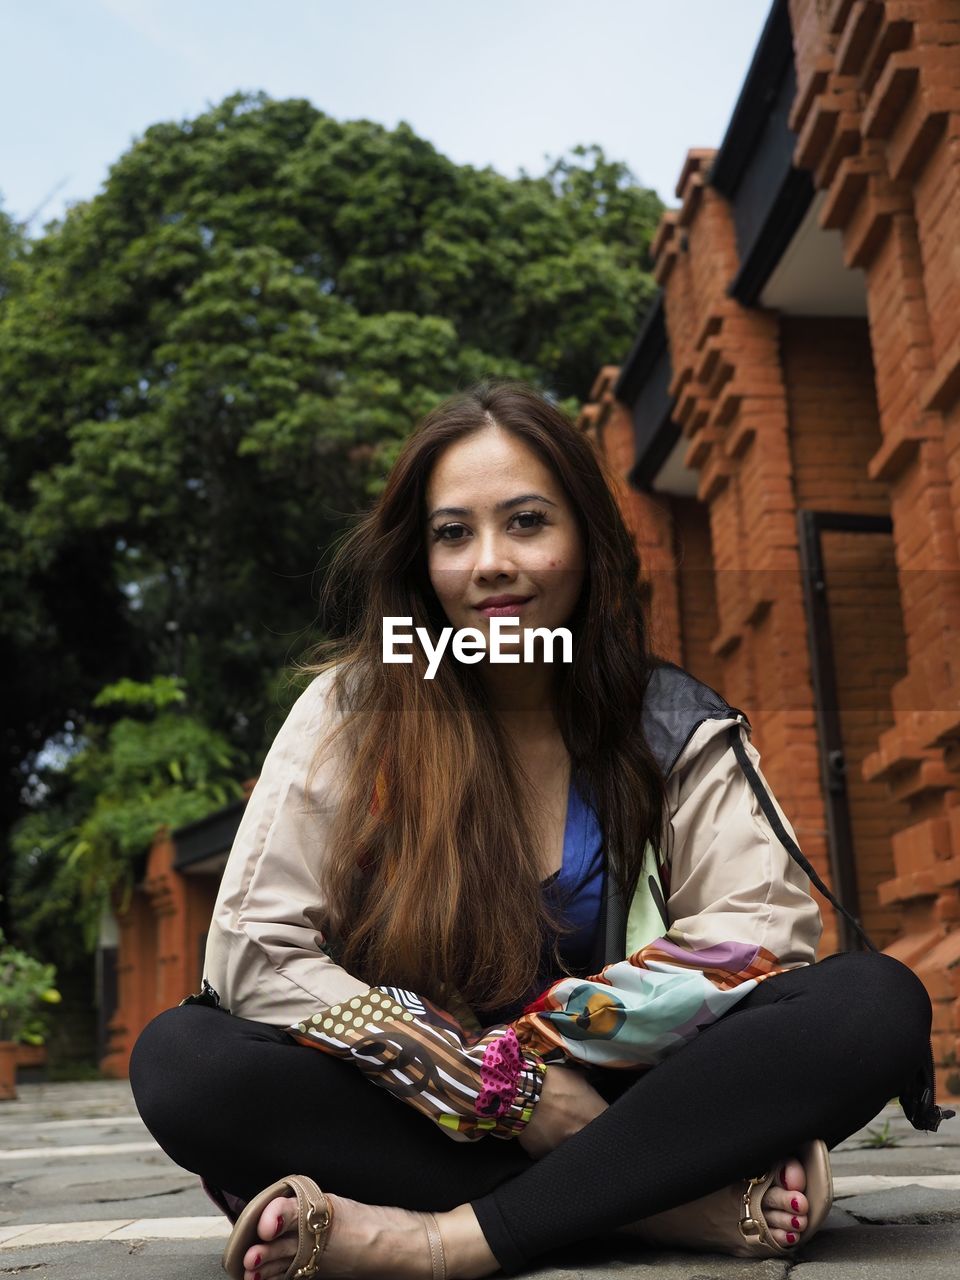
point(567, 1103)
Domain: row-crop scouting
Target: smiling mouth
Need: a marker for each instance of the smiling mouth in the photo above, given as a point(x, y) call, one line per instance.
point(508, 609)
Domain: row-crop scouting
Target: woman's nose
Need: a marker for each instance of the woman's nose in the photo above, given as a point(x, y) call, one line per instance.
point(494, 557)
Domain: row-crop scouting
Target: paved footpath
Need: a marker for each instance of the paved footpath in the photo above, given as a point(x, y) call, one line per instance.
point(84, 1191)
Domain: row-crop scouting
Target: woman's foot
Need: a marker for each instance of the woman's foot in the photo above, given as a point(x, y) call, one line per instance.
point(374, 1240)
point(785, 1206)
point(371, 1240)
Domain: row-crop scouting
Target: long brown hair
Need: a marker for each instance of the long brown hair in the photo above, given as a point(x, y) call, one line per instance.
point(433, 877)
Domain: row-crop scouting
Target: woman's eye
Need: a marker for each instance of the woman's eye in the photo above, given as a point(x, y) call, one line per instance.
point(521, 521)
point(449, 533)
point(531, 519)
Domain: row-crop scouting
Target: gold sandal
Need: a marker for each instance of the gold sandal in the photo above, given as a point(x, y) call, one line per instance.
point(314, 1220)
point(731, 1220)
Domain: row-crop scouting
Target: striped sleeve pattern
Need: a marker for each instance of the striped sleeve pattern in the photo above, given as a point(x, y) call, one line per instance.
point(470, 1086)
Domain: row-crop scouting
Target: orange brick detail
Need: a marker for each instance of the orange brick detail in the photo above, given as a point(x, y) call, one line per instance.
point(860, 416)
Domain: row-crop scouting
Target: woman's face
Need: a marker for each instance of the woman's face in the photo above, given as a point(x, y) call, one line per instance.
point(501, 536)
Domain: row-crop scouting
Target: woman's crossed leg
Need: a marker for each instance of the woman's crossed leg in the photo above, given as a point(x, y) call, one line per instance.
point(815, 1052)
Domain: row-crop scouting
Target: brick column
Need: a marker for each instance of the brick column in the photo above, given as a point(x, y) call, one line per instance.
point(158, 954)
point(731, 404)
point(647, 515)
point(136, 983)
point(878, 126)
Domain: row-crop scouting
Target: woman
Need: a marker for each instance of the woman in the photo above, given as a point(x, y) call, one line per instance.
point(499, 895)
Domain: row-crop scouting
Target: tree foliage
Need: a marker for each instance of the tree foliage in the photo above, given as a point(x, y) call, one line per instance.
point(26, 984)
point(158, 766)
point(12, 246)
point(206, 368)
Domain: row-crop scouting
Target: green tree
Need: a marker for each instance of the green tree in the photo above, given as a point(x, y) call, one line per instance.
point(25, 985)
point(12, 246)
point(206, 368)
point(144, 763)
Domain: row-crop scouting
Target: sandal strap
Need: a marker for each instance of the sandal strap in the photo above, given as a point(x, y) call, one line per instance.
point(314, 1220)
point(438, 1264)
point(753, 1226)
point(814, 1157)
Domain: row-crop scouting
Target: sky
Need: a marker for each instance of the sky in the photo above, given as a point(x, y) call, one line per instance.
point(506, 83)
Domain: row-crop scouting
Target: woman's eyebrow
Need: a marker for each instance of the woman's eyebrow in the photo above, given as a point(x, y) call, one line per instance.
point(500, 506)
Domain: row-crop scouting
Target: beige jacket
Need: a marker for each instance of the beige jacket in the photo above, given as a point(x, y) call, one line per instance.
point(730, 878)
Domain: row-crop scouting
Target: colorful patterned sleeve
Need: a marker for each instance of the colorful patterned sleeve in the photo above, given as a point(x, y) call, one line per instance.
point(470, 1085)
point(635, 1012)
point(720, 909)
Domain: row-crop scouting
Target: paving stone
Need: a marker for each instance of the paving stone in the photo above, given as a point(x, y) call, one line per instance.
point(897, 1161)
point(147, 1185)
point(864, 1183)
point(620, 1256)
point(55, 1232)
point(117, 1260)
point(948, 1135)
point(103, 1184)
point(881, 1253)
point(905, 1205)
point(20, 1203)
point(68, 1126)
point(903, 1134)
point(838, 1217)
point(173, 1229)
point(200, 1260)
point(67, 1101)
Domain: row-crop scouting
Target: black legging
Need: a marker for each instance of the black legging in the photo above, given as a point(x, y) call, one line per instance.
point(815, 1052)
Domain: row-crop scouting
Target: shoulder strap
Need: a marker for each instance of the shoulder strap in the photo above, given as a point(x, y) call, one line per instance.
point(791, 846)
point(675, 705)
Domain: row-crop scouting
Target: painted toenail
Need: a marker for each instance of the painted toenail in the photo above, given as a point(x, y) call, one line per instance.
point(795, 1205)
point(258, 1259)
point(279, 1225)
point(791, 1239)
point(795, 1222)
point(783, 1179)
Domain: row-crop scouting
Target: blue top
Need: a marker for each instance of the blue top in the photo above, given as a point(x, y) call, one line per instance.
point(577, 889)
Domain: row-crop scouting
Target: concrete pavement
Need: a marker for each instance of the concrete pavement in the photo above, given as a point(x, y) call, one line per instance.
point(84, 1191)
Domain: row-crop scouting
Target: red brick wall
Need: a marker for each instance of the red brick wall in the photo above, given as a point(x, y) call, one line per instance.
point(672, 535)
point(158, 955)
point(834, 428)
point(648, 516)
point(866, 627)
point(834, 432)
point(696, 584)
point(878, 118)
point(778, 414)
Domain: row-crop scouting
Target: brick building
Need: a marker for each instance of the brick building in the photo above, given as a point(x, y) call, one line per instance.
point(151, 956)
point(786, 433)
point(786, 430)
